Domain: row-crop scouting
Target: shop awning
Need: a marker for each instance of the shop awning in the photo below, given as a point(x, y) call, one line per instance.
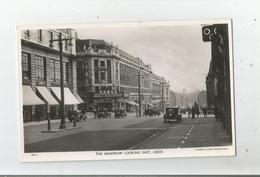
point(69, 98)
point(156, 101)
point(150, 105)
point(79, 99)
point(47, 95)
point(132, 103)
point(30, 98)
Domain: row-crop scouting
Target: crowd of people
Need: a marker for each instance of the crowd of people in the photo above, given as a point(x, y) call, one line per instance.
point(195, 110)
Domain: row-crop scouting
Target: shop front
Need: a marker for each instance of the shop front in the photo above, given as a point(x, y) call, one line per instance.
point(43, 103)
point(109, 101)
point(30, 101)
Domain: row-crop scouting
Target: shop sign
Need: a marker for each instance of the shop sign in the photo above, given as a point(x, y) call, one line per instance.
point(104, 95)
point(126, 95)
point(104, 100)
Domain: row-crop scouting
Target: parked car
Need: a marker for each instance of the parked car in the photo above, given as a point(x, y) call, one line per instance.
point(120, 113)
point(103, 114)
point(172, 114)
point(210, 111)
point(183, 110)
point(152, 112)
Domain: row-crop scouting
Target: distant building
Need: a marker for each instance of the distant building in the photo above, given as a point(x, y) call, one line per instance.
point(160, 90)
point(183, 99)
point(202, 99)
point(172, 101)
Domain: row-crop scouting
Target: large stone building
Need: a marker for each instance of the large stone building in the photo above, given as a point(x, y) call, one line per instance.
point(202, 98)
point(40, 60)
point(211, 89)
point(183, 99)
point(218, 78)
point(160, 90)
point(110, 78)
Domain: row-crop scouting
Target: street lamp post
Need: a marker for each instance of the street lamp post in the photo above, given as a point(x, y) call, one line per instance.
point(62, 106)
point(162, 83)
point(139, 93)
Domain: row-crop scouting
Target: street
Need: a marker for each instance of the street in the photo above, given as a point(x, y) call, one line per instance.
point(128, 133)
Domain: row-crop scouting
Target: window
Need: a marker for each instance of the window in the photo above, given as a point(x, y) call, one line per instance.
point(51, 38)
point(65, 72)
point(102, 76)
point(96, 77)
point(97, 89)
point(96, 63)
point(55, 71)
point(27, 33)
point(26, 66)
point(40, 68)
point(52, 70)
point(103, 89)
point(96, 71)
point(109, 88)
point(102, 63)
point(109, 76)
point(40, 35)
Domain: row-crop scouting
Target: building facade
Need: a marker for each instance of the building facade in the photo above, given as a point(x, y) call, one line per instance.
point(211, 87)
point(97, 76)
point(183, 99)
point(160, 90)
point(110, 78)
point(202, 99)
point(40, 61)
point(218, 78)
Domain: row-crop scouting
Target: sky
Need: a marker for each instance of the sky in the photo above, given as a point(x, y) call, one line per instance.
point(175, 52)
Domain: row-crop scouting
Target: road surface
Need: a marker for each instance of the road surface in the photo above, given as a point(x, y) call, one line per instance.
point(134, 133)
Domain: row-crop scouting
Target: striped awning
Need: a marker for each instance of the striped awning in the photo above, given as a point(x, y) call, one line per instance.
point(47, 95)
point(150, 105)
point(79, 98)
point(132, 103)
point(30, 98)
point(69, 98)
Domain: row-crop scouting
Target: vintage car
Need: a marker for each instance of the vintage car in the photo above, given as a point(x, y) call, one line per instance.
point(183, 110)
point(148, 112)
point(151, 112)
point(120, 113)
point(103, 114)
point(210, 110)
point(172, 114)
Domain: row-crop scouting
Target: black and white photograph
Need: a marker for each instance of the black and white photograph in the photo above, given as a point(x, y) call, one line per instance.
point(126, 90)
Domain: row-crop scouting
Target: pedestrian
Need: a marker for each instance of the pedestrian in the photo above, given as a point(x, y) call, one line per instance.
point(205, 112)
point(193, 112)
point(198, 111)
point(70, 115)
point(85, 116)
point(136, 111)
point(189, 112)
